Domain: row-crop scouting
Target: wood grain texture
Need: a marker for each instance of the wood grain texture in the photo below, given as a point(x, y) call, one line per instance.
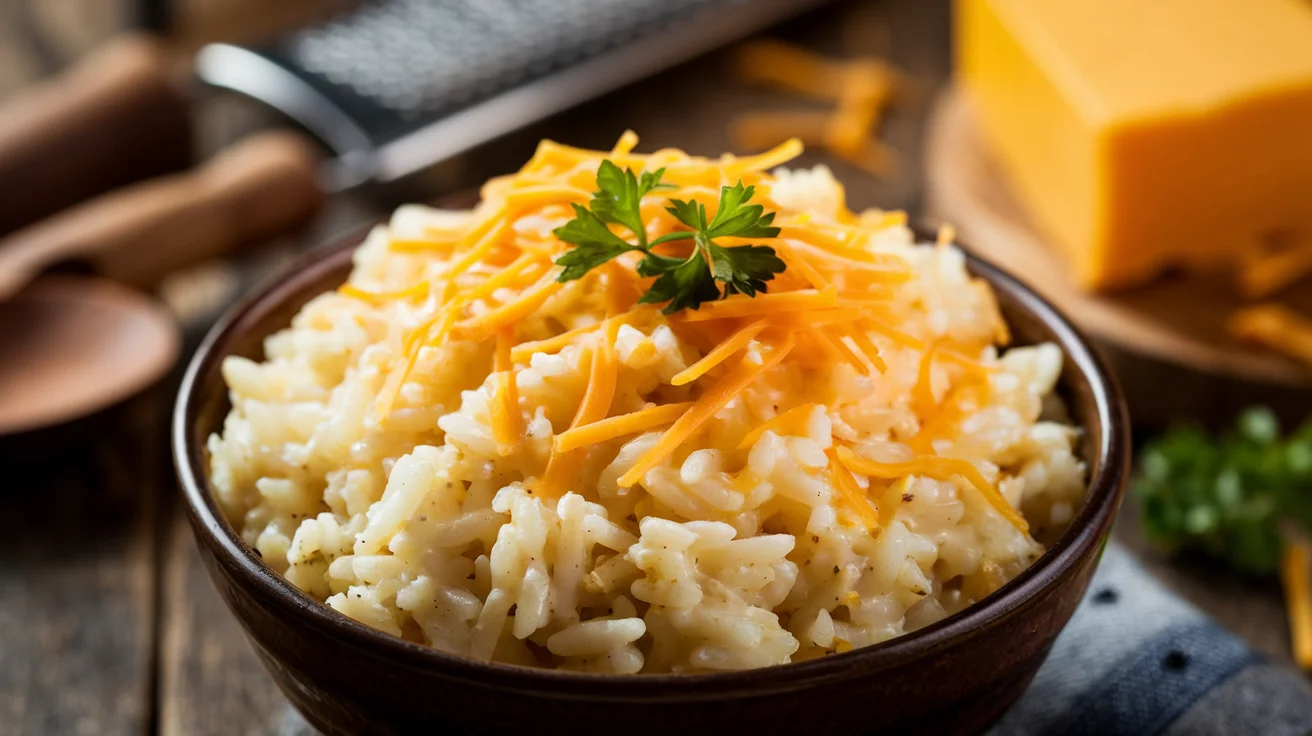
point(211, 681)
point(77, 560)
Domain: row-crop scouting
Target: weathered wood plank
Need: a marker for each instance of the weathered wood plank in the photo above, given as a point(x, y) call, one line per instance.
point(77, 550)
point(210, 679)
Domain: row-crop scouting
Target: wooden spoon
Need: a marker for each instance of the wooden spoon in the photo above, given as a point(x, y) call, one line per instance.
point(72, 345)
point(258, 188)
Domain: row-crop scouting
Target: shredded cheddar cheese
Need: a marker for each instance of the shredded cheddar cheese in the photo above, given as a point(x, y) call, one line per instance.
point(1296, 574)
point(505, 409)
point(647, 418)
point(836, 302)
point(854, 498)
point(706, 406)
point(789, 301)
point(938, 468)
point(1277, 327)
point(860, 90)
point(378, 297)
point(563, 467)
point(512, 312)
point(1270, 269)
point(792, 421)
point(625, 144)
point(720, 353)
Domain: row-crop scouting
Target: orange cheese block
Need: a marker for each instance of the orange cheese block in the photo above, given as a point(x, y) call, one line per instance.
point(1147, 135)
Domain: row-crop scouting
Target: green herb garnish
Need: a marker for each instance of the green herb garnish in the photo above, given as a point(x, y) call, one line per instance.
point(1228, 497)
point(682, 282)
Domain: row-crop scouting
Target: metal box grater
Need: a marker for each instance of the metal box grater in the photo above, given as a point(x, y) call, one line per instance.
point(397, 86)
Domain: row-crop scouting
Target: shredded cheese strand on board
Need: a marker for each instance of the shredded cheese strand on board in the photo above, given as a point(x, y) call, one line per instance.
point(1271, 269)
point(1277, 327)
point(1296, 574)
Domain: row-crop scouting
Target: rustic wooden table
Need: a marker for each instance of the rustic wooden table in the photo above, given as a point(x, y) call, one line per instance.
point(109, 625)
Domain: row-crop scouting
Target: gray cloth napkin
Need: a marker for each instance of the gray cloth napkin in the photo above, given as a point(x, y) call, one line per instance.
point(1137, 660)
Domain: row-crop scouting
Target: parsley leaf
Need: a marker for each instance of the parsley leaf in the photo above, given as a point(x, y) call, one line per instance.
point(745, 268)
point(1228, 496)
point(595, 243)
point(684, 283)
point(619, 195)
point(735, 218)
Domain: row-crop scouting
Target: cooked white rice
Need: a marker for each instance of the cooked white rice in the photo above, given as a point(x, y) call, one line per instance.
point(412, 519)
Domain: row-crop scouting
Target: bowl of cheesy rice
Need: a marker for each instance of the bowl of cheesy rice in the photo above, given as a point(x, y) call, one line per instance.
point(444, 445)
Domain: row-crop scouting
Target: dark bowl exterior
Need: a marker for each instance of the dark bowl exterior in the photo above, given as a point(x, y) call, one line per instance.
point(956, 676)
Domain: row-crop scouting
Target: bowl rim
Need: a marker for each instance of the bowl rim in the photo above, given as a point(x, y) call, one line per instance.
point(1105, 489)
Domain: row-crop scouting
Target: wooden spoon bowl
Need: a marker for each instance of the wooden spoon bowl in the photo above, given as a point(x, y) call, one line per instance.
point(73, 345)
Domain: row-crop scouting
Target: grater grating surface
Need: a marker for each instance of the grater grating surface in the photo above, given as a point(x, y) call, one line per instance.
point(397, 85)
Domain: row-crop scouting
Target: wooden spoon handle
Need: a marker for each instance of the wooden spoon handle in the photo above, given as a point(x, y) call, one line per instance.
point(117, 117)
point(261, 187)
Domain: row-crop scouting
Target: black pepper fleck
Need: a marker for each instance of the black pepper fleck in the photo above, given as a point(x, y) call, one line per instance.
point(835, 569)
point(1106, 596)
point(907, 498)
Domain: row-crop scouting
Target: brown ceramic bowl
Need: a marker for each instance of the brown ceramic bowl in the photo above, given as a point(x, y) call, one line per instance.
point(956, 676)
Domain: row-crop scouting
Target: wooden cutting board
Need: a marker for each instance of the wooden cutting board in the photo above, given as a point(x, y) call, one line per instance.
point(1167, 341)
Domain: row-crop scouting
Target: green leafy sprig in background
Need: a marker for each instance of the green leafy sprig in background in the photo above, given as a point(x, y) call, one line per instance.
point(1228, 497)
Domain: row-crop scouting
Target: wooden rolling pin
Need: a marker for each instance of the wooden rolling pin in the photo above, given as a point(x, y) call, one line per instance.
point(261, 187)
point(119, 116)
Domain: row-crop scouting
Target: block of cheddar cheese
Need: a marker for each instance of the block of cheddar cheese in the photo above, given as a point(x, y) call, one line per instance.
point(1144, 135)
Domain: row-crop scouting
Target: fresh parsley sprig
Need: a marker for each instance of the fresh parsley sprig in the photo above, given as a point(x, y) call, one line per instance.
point(1230, 496)
point(683, 283)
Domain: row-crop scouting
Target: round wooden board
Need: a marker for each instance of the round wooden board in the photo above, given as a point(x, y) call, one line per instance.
point(1167, 342)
